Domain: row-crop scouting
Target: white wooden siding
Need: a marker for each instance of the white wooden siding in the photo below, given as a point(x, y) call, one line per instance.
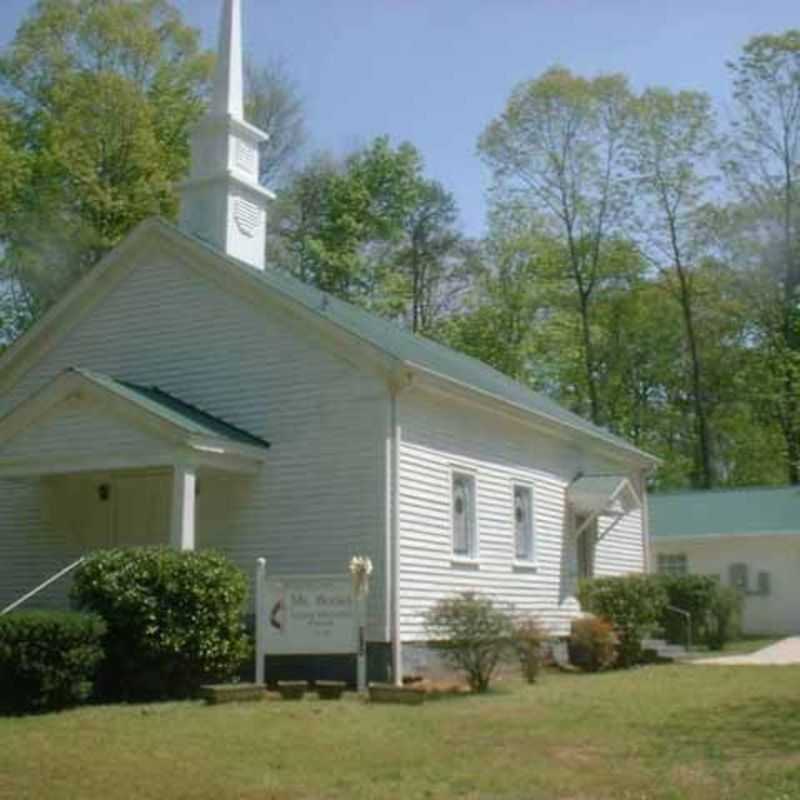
point(439, 435)
point(74, 428)
point(320, 496)
point(622, 549)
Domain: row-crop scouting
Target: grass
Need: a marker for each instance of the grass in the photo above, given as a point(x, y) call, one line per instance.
point(664, 733)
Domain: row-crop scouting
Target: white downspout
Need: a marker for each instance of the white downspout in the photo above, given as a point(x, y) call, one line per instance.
point(394, 510)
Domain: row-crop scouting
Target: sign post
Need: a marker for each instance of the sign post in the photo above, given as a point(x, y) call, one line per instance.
point(261, 578)
point(360, 570)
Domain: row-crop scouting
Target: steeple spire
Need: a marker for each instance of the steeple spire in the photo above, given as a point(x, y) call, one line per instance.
point(228, 79)
point(222, 202)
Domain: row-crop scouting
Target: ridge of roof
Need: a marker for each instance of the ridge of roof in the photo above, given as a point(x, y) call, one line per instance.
point(400, 343)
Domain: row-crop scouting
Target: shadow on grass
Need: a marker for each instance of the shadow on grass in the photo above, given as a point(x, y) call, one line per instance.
point(754, 726)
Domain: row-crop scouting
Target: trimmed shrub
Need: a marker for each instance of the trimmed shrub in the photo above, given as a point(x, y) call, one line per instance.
point(592, 644)
point(174, 620)
point(724, 620)
point(48, 659)
point(692, 593)
point(632, 603)
point(528, 638)
point(472, 634)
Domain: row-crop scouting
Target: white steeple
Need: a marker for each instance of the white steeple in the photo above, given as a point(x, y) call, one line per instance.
point(222, 201)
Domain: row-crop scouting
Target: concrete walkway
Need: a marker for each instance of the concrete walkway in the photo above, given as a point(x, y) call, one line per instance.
point(786, 651)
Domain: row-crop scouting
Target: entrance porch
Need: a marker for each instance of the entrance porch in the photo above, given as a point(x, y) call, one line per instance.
point(113, 464)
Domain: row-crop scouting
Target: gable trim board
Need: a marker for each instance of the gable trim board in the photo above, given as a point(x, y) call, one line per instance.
point(339, 325)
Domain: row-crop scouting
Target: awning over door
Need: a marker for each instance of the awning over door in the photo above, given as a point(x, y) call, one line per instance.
point(82, 421)
point(610, 496)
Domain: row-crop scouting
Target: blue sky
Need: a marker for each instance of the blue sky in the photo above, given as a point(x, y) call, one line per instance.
point(435, 72)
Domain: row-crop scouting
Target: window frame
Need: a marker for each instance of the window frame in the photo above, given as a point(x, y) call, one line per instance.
point(529, 560)
point(473, 549)
point(672, 557)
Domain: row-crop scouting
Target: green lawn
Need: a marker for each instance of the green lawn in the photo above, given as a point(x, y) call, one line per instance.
point(658, 732)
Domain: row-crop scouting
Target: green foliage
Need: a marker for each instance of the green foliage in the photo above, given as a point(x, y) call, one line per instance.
point(528, 639)
point(48, 659)
point(632, 603)
point(174, 619)
point(693, 593)
point(472, 634)
point(371, 229)
point(103, 95)
point(592, 643)
point(725, 617)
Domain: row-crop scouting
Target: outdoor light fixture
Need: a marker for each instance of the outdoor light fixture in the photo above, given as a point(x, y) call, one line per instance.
point(103, 492)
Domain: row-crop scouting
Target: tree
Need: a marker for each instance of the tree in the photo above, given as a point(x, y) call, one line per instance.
point(104, 94)
point(430, 254)
point(558, 147)
point(764, 167)
point(673, 141)
point(274, 105)
point(371, 229)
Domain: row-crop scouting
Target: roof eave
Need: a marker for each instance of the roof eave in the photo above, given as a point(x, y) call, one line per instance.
point(629, 453)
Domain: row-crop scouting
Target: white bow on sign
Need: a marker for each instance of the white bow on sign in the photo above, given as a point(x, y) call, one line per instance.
point(360, 570)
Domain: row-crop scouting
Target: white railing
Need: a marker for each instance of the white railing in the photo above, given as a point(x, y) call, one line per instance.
point(42, 586)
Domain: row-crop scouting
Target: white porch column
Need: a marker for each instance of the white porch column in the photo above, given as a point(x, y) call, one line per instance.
point(184, 480)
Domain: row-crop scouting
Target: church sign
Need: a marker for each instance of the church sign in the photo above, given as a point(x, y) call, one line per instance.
point(306, 615)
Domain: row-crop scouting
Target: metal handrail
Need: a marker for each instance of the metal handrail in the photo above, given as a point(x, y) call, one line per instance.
point(684, 613)
point(42, 586)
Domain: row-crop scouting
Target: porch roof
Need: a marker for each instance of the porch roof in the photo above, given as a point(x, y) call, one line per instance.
point(85, 421)
point(191, 419)
point(603, 494)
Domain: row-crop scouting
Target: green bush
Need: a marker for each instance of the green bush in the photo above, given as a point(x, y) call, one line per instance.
point(724, 620)
point(472, 634)
point(174, 620)
point(632, 603)
point(528, 638)
point(692, 593)
point(48, 659)
point(592, 644)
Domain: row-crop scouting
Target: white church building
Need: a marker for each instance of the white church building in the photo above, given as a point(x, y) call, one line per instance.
point(187, 394)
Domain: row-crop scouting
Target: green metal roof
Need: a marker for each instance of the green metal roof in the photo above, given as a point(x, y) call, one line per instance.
point(726, 512)
point(397, 342)
point(186, 416)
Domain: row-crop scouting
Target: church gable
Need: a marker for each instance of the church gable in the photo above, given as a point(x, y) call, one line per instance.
point(69, 431)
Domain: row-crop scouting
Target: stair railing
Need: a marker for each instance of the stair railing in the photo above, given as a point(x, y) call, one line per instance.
point(684, 613)
point(42, 586)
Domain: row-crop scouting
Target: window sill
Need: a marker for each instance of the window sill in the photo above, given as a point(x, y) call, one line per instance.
point(525, 566)
point(465, 562)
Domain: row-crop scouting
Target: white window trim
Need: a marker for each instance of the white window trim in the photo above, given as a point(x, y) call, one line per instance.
point(532, 562)
point(471, 559)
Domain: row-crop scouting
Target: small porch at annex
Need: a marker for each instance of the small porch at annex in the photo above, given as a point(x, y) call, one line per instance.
point(115, 464)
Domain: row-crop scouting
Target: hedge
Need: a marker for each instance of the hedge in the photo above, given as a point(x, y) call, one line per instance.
point(174, 620)
point(48, 659)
